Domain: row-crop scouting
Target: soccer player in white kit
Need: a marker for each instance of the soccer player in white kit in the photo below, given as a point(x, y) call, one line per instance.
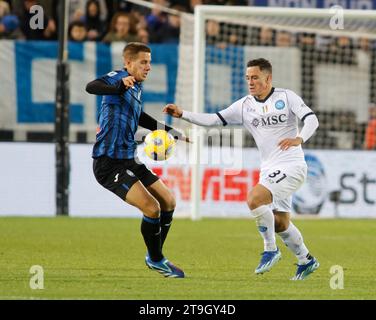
point(271, 116)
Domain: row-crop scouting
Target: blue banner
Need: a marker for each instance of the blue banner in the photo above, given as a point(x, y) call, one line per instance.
point(34, 61)
point(27, 110)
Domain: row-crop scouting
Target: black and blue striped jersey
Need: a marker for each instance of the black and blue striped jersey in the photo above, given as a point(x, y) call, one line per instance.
point(118, 119)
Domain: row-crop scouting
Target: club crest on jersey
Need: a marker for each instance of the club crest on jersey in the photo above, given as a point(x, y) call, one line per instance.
point(280, 104)
point(112, 73)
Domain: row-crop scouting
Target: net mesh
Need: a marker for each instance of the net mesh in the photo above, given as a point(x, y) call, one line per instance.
point(334, 71)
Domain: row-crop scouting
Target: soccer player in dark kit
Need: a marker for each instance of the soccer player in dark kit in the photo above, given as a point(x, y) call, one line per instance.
point(116, 166)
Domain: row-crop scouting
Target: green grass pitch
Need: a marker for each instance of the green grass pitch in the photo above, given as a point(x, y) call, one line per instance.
point(104, 259)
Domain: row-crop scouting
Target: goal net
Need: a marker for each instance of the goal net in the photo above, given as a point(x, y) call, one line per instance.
point(327, 56)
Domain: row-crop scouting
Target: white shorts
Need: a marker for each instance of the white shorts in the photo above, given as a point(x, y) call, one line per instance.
point(282, 181)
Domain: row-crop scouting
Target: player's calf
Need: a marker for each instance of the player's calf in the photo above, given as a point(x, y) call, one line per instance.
point(139, 197)
point(281, 221)
point(167, 203)
point(258, 200)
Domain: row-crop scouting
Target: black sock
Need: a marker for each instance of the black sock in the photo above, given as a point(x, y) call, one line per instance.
point(151, 231)
point(166, 219)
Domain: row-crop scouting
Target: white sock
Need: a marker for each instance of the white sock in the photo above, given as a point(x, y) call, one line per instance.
point(265, 223)
point(294, 241)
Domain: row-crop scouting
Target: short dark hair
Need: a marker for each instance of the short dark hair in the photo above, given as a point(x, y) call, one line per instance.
point(262, 63)
point(79, 24)
point(133, 48)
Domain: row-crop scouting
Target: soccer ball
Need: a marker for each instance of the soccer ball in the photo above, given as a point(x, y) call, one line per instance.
point(159, 145)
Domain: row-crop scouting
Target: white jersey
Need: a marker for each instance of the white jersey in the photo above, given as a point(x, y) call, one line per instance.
point(270, 121)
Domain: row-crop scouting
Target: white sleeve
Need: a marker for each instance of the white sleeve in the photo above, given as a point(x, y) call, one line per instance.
point(304, 113)
point(230, 115)
point(202, 119)
point(233, 114)
point(311, 123)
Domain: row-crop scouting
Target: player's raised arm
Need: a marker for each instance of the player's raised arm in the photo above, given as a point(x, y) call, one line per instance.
point(201, 119)
point(101, 87)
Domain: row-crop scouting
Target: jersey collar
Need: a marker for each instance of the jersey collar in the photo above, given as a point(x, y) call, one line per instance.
point(267, 97)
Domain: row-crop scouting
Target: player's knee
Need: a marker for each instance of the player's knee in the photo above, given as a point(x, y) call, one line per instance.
point(167, 202)
point(255, 201)
point(151, 208)
point(170, 203)
point(258, 197)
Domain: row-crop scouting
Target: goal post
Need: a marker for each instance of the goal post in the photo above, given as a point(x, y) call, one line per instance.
point(198, 103)
point(325, 55)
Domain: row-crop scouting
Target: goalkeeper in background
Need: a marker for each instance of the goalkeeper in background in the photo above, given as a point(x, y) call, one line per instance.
point(270, 115)
point(115, 164)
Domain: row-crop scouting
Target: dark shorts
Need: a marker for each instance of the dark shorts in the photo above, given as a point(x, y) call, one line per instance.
point(119, 175)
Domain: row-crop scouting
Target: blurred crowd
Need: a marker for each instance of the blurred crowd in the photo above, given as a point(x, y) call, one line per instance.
point(99, 20)
point(119, 20)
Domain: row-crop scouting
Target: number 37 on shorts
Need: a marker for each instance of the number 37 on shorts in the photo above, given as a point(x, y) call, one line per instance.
point(283, 181)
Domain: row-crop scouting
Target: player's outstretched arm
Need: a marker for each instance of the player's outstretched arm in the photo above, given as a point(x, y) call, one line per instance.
point(173, 110)
point(148, 122)
point(201, 119)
